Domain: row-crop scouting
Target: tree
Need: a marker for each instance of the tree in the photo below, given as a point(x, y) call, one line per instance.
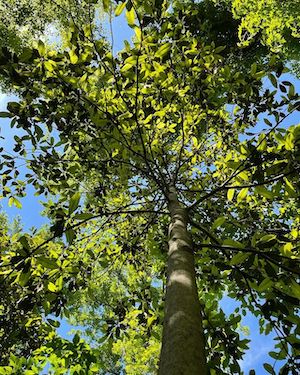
point(166, 133)
point(37, 275)
point(272, 23)
point(28, 20)
point(276, 23)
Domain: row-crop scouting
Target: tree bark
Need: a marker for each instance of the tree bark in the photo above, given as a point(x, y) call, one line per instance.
point(182, 350)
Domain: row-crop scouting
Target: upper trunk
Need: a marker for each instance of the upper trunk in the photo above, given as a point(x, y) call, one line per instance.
point(183, 344)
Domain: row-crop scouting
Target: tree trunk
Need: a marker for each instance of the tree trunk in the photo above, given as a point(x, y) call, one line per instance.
point(182, 350)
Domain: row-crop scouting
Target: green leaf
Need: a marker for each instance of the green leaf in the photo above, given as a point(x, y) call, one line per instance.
point(291, 92)
point(273, 80)
point(265, 285)
point(95, 367)
point(267, 238)
point(120, 8)
point(230, 194)
point(290, 189)
point(233, 243)
point(261, 190)
point(24, 242)
point(54, 323)
point(83, 216)
point(269, 369)
point(218, 222)
point(74, 202)
point(268, 122)
point(242, 195)
point(76, 339)
point(295, 289)
point(73, 57)
point(50, 65)
point(59, 283)
point(70, 235)
point(41, 48)
point(126, 67)
point(47, 262)
point(163, 50)
point(130, 16)
point(24, 277)
point(6, 114)
point(6, 370)
point(51, 287)
point(14, 201)
point(238, 258)
point(253, 69)
point(220, 49)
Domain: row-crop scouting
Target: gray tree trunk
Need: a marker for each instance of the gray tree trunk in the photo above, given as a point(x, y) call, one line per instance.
point(182, 350)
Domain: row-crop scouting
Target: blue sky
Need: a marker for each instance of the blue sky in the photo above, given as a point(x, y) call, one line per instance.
point(31, 216)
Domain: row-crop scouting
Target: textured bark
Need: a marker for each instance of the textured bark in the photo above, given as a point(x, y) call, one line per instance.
point(182, 345)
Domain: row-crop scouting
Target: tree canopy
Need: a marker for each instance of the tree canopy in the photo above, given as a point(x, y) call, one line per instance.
point(23, 21)
point(165, 133)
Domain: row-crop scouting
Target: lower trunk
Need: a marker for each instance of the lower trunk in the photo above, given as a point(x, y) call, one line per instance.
point(182, 345)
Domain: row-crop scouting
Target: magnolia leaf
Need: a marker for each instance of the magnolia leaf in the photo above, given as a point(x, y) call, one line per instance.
point(130, 16)
point(233, 243)
point(24, 242)
point(41, 48)
point(163, 50)
point(59, 283)
point(272, 79)
point(23, 278)
point(54, 323)
point(242, 195)
point(83, 216)
point(76, 339)
point(230, 194)
point(218, 222)
point(238, 258)
point(14, 201)
point(261, 190)
point(73, 57)
point(269, 369)
point(47, 262)
point(74, 202)
point(6, 114)
point(265, 285)
point(52, 287)
point(70, 235)
point(120, 8)
point(267, 238)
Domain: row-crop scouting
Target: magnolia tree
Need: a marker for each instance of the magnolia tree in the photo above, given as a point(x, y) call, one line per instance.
point(174, 166)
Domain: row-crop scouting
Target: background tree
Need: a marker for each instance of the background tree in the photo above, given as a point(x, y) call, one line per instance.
point(272, 23)
point(167, 132)
point(24, 21)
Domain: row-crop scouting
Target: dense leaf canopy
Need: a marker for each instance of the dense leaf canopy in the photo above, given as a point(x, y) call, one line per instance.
point(110, 135)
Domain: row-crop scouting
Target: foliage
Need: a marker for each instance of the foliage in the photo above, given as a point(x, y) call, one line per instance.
point(34, 287)
point(276, 21)
point(112, 134)
point(29, 19)
point(274, 24)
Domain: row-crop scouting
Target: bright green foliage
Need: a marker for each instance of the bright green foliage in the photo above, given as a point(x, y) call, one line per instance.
point(121, 311)
point(37, 275)
point(24, 21)
point(111, 134)
point(273, 19)
point(275, 24)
